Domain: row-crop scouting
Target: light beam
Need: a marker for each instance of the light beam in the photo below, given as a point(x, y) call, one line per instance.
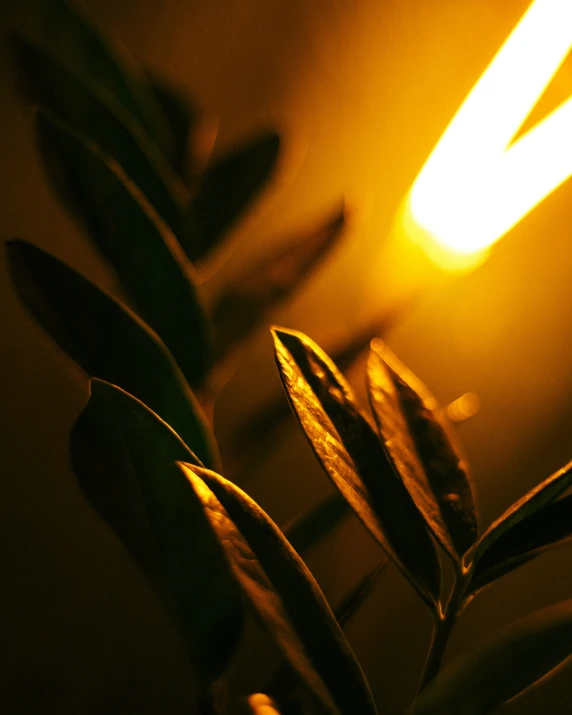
point(478, 183)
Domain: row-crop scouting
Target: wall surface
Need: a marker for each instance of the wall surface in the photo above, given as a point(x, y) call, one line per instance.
point(361, 91)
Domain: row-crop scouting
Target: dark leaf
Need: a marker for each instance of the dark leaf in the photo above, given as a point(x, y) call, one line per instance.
point(505, 665)
point(532, 502)
point(310, 528)
point(181, 115)
point(285, 595)
point(62, 29)
point(108, 341)
point(124, 457)
point(353, 457)
point(149, 262)
point(550, 526)
point(418, 441)
point(229, 187)
point(281, 684)
point(105, 123)
point(352, 601)
point(248, 300)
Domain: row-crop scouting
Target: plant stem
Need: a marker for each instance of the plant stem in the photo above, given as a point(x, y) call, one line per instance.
point(439, 639)
point(442, 628)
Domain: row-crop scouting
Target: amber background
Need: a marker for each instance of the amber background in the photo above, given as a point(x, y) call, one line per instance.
point(361, 90)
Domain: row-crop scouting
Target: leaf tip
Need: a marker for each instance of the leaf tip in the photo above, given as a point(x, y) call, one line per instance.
point(341, 216)
point(279, 334)
point(273, 141)
point(284, 334)
point(98, 387)
point(19, 254)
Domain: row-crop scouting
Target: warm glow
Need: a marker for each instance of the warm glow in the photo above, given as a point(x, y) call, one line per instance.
point(476, 184)
point(463, 407)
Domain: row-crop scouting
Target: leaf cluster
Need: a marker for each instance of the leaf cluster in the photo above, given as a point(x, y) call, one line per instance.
point(119, 146)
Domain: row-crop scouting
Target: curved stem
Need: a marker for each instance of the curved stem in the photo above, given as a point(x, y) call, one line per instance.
point(439, 639)
point(442, 630)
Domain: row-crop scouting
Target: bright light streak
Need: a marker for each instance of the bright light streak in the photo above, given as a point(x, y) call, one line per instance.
point(476, 184)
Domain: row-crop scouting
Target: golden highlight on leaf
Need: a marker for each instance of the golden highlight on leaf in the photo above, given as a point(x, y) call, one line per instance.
point(537, 498)
point(353, 458)
point(536, 522)
point(285, 595)
point(424, 450)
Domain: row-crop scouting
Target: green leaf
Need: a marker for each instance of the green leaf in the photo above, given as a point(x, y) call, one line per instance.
point(352, 601)
point(149, 262)
point(109, 341)
point(310, 528)
point(353, 457)
point(419, 443)
point(548, 527)
point(258, 433)
point(124, 457)
point(505, 665)
point(104, 122)
point(531, 503)
point(285, 595)
point(181, 115)
point(62, 29)
point(229, 187)
point(252, 295)
point(282, 682)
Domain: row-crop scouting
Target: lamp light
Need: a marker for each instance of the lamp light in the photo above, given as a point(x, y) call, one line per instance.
point(479, 182)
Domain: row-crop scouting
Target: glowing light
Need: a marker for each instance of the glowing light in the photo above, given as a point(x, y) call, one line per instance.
point(476, 184)
point(463, 407)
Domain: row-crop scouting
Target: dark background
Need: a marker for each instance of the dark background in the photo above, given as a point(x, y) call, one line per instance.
point(361, 92)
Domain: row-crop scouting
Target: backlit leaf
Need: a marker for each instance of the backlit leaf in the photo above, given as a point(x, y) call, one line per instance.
point(505, 665)
point(285, 595)
point(543, 529)
point(130, 235)
point(247, 301)
point(532, 502)
point(124, 457)
point(109, 341)
point(353, 457)
point(104, 122)
point(229, 187)
point(281, 683)
point(258, 434)
point(419, 443)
